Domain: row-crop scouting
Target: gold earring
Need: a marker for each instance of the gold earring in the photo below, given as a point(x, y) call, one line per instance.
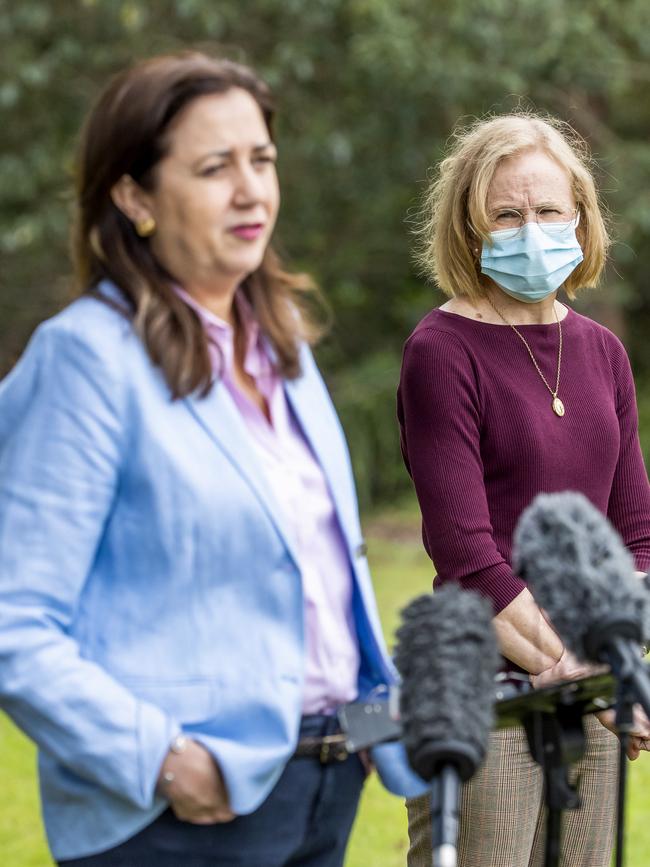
point(145, 228)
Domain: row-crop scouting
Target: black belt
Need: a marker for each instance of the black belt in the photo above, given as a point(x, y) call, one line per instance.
point(328, 748)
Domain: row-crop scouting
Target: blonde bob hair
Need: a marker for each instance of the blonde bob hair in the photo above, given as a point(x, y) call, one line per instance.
point(455, 220)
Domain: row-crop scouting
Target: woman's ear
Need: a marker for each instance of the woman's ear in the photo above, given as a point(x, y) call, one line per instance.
point(132, 200)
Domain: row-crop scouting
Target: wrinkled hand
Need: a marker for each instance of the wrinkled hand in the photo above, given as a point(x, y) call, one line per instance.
point(198, 793)
point(639, 738)
point(566, 668)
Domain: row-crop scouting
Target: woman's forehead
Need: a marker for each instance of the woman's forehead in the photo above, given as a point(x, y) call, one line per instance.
point(532, 177)
point(218, 122)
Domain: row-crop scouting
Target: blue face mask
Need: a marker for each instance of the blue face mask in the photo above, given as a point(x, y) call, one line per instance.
point(531, 263)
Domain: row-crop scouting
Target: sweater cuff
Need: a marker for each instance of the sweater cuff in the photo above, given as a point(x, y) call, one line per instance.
point(497, 583)
point(642, 561)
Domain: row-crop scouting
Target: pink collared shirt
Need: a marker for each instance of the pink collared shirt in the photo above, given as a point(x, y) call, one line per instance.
point(304, 501)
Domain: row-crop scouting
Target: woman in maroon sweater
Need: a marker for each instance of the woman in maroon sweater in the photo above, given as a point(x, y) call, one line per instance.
point(506, 392)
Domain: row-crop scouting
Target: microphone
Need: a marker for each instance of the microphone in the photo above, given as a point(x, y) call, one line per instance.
point(580, 572)
point(447, 656)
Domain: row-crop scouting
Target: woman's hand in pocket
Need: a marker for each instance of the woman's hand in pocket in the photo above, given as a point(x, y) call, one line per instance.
point(194, 786)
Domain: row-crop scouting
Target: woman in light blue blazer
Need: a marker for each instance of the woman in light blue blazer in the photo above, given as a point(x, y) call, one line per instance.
point(184, 594)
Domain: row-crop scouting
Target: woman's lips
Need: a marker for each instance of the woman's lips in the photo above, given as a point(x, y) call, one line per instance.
point(249, 231)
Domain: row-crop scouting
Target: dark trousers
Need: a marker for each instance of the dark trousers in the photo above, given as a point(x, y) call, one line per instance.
point(305, 822)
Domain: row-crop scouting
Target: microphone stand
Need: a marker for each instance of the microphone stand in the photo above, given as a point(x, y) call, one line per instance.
point(445, 808)
point(614, 640)
point(552, 719)
point(625, 700)
point(556, 740)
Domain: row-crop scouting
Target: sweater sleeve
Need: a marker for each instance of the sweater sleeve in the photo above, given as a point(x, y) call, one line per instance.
point(440, 426)
point(629, 500)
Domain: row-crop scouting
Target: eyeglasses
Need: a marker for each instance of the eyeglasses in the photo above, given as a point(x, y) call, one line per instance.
point(552, 219)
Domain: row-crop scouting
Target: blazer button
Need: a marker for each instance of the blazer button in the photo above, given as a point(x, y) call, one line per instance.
point(361, 550)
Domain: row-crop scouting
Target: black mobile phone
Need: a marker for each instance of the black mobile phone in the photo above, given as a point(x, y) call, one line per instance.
point(366, 723)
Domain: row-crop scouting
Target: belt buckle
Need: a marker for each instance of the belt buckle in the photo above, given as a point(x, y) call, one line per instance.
point(333, 749)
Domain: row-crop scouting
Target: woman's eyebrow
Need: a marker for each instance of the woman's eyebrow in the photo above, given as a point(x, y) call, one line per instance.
point(546, 203)
point(226, 152)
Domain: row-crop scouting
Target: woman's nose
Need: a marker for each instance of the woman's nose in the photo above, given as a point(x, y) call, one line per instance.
point(249, 185)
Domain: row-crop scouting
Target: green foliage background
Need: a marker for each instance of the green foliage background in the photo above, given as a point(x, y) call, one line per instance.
point(368, 93)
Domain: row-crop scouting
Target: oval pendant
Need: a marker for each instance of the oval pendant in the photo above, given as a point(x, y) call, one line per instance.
point(558, 406)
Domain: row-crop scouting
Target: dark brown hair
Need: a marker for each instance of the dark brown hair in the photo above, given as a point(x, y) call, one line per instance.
point(125, 135)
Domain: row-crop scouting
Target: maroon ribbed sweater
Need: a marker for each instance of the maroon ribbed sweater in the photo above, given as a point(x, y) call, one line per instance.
point(480, 439)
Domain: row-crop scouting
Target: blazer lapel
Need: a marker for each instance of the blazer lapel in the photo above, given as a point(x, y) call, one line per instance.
point(316, 417)
point(219, 416)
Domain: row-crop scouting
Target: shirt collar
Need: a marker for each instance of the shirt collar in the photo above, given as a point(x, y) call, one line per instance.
point(256, 360)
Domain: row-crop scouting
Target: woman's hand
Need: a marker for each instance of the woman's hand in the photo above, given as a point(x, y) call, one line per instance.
point(639, 738)
point(568, 667)
point(525, 637)
point(197, 792)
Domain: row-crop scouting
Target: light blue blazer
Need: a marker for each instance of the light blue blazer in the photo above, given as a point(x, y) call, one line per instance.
point(147, 582)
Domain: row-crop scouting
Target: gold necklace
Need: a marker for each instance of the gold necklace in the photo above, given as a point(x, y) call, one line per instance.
point(556, 404)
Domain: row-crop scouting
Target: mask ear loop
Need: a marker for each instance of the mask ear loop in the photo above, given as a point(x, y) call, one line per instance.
point(580, 237)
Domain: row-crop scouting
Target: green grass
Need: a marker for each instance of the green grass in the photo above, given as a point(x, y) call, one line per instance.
point(22, 841)
point(401, 571)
